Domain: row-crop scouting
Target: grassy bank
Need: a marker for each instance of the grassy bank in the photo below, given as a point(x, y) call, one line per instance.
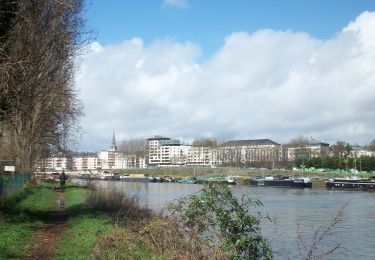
point(107, 224)
point(21, 213)
point(101, 223)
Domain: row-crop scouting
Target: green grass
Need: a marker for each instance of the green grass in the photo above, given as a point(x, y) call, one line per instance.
point(15, 240)
point(75, 200)
point(21, 216)
point(81, 237)
point(43, 200)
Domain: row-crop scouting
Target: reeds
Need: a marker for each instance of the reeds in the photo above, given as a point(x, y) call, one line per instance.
point(125, 210)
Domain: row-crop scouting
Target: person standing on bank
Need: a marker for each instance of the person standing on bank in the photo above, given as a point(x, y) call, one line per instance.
point(63, 178)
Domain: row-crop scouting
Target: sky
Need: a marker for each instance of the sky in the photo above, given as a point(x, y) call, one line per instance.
point(189, 69)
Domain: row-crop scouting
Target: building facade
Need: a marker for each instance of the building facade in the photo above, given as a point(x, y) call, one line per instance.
point(310, 149)
point(247, 152)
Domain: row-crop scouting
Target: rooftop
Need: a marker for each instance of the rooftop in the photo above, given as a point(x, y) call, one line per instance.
point(249, 142)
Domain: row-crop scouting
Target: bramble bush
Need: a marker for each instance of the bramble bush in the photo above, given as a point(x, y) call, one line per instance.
point(218, 219)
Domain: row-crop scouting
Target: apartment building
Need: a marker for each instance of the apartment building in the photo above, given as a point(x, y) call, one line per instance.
point(163, 151)
point(359, 151)
point(243, 152)
point(86, 163)
point(199, 155)
point(52, 163)
point(310, 148)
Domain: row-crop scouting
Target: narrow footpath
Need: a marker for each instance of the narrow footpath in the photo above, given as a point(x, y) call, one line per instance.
point(47, 235)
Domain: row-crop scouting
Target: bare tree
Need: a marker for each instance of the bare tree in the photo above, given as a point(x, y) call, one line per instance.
point(134, 146)
point(39, 104)
point(205, 142)
point(299, 147)
point(132, 151)
point(371, 145)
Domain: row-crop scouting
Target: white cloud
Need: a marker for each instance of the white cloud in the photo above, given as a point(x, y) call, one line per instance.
point(176, 3)
point(269, 84)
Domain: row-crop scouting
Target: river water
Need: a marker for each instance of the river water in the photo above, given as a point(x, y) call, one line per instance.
point(310, 209)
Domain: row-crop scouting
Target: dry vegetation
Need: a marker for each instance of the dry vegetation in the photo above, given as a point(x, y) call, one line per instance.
point(142, 234)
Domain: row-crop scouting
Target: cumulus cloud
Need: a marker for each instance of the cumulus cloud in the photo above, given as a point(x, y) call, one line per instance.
point(268, 84)
point(176, 3)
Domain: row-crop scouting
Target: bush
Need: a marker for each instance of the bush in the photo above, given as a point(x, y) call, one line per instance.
point(218, 219)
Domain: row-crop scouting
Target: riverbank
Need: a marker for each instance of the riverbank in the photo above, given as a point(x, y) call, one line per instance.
point(33, 227)
point(98, 223)
point(242, 173)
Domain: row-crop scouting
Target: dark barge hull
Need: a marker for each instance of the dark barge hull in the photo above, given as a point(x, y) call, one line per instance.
point(286, 183)
point(280, 183)
point(256, 182)
point(351, 185)
point(302, 185)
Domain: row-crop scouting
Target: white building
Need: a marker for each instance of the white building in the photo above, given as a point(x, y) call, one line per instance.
point(312, 148)
point(52, 163)
point(86, 163)
point(358, 151)
point(241, 152)
point(199, 155)
point(104, 160)
point(163, 151)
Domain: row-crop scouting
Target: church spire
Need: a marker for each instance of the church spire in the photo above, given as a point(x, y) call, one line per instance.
point(113, 145)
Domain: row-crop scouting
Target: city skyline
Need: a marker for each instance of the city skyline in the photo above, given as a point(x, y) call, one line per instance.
point(252, 77)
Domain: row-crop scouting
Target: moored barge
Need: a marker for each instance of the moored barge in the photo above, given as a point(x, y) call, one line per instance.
point(281, 182)
point(351, 184)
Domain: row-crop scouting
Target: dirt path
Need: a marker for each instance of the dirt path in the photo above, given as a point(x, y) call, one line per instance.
point(47, 235)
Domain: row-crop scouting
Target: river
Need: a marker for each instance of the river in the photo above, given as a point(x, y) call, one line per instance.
point(311, 209)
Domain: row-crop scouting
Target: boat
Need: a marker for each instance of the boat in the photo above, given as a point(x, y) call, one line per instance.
point(187, 181)
point(281, 182)
point(257, 181)
point(128, 178)
point(302, 183)
point(351, 184)
point(231, 180)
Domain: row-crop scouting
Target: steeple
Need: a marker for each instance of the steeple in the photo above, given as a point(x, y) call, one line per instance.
point(113, 145)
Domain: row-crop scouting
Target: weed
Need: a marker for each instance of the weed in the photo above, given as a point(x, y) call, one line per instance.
point(309, 251)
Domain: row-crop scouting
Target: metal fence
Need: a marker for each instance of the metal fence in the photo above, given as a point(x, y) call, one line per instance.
point(12, 182)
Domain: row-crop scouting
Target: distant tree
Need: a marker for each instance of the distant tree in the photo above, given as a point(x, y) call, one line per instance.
point(341, 149)
point(205, 142)
point(133, 146)
point(338, 149)
point(371, 146)
point(299, 146)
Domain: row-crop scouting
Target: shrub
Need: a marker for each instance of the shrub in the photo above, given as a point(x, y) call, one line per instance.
point(218, 219)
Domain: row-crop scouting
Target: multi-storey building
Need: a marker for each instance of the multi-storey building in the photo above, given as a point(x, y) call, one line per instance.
point(86, 163)
point(163, 151)
point(243, 152)
point(359, 151)
point(129, 161)
point(52, 163)
point(309, 149)
point(199, 155)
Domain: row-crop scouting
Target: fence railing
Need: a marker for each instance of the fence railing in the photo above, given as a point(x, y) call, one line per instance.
point(12, 182)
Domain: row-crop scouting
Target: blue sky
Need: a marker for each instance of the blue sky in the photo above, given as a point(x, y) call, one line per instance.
point(229, 70)
point(206, 22)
